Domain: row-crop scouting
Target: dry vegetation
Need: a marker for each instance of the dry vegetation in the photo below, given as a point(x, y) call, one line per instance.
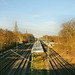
point(65, 41)
point(50, 38)
point(68, 41)
point(9, 39)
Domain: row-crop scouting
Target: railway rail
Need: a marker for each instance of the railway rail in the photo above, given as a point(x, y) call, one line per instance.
point(57, 65)
point(16, 61)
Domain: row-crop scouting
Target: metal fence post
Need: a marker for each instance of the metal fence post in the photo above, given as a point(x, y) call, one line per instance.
point(32, 61)
point(48, 61)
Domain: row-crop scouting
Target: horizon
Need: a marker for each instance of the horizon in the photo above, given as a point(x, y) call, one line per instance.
point(39, 18)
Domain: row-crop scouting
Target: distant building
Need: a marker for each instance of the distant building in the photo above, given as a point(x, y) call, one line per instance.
point(16, 28)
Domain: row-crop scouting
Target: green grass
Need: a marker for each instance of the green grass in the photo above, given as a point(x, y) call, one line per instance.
point(38, 64)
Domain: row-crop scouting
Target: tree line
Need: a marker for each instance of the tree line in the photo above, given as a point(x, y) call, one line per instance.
point(66, 37)
point(9, 39)
point(50, 38)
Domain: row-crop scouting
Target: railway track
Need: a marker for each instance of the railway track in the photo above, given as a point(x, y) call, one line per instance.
point(16, 61)
point(57, 65)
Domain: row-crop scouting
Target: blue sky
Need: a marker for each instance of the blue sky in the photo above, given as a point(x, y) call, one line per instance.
point(39, 17)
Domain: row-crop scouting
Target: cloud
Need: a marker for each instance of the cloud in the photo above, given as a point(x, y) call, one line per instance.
point(36, 15)
point(31, 25)
point(51, 23)
point(27, 24)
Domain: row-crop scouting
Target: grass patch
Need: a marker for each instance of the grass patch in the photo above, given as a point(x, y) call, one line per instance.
point(38, 63)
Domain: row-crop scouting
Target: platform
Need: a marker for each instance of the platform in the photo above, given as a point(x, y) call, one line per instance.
point(37, 47)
